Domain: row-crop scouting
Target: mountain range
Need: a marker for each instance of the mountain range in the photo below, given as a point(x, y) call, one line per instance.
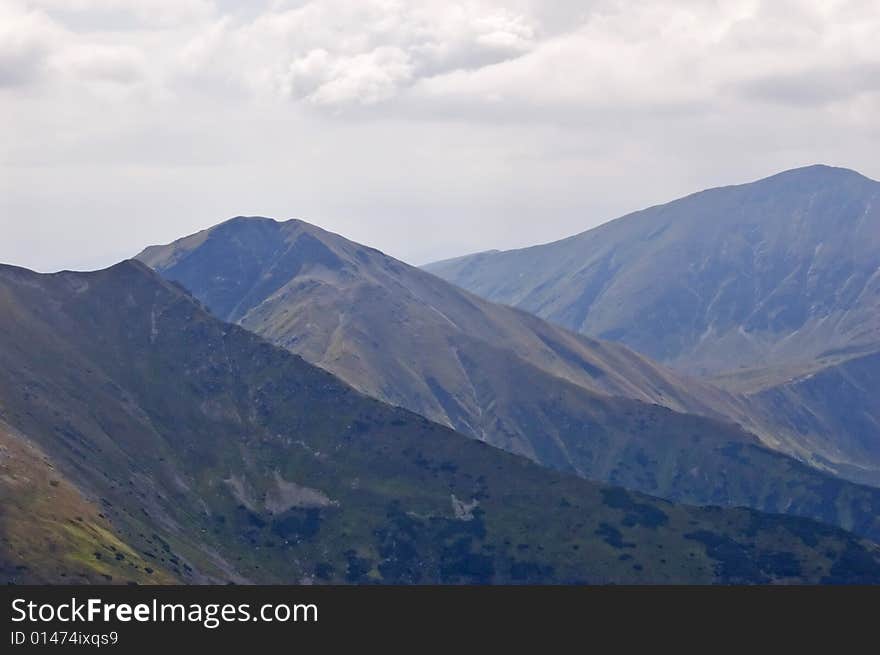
point(500, 375)
point(146, 440)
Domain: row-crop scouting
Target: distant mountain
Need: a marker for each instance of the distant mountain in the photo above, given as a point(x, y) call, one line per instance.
point(500, 375)
point(145, 440)
point(760, 283)
point(781, 269)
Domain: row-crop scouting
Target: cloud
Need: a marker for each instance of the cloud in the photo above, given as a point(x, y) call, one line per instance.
point(332, 80)
point(103, 63)
point(474, 59)
point(101, 14)
point(336, 54)
point(814, 86)
point(26, 40)
point(660, 59)
point(36, 48)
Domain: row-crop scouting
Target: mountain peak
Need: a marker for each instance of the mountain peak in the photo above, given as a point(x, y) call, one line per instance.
point(815, 173)
point(262, 220)
point(244, 220)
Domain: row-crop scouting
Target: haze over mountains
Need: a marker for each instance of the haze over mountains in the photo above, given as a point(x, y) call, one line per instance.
point(146, 440)
point(500, 375)
point(771, 288)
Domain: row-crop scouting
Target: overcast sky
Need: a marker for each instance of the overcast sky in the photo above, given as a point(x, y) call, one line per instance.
point(427, 129)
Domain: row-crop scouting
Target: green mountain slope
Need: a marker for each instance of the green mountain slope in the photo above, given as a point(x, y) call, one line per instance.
point(226, 458)
point(49, 532)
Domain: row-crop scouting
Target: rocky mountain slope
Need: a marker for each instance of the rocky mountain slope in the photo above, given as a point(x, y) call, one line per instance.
point(218, 457)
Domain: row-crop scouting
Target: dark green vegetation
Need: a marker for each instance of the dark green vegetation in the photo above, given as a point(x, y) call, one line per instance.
point(761, 285)
point(497, 374)
point(222, 457)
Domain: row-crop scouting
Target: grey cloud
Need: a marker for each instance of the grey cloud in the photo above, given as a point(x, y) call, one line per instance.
point(372, 51)
point(26, 39)
point(21, 68)
point(124, 15)
point(814, 87)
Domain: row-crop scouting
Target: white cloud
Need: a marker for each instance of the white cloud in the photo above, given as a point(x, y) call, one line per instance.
point(335, 53)
point(104, 63)
point(333, 80)
point(650, 58)
point(153, 13)
point(470, 56)
point(26, 40)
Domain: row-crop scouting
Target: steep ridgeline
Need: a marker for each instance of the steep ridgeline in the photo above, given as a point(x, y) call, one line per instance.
point(762, 283)
point(494, 373)
point(216, 456)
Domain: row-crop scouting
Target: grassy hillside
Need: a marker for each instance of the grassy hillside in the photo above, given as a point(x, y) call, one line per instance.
point(49, 532)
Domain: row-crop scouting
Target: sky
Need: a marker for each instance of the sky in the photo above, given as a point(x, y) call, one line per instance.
point(426, 129)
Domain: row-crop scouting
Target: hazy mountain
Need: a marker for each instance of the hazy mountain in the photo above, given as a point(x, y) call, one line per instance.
point(761, 284)
point(498, 374)
point(221, 457)
point(784, 268)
